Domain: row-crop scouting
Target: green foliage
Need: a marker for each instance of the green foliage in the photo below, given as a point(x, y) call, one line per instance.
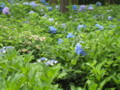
point(17, 73)
point(29, 34)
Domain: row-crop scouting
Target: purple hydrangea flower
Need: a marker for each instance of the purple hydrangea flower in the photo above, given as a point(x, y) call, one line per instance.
point(98, 4)
point(82, 8)
point(52, 29)
point(74, 7)
point(79, 50)
point(70, 35)
point(6, 10)
point(90, 7)
point(60, 41)
point(33, 4)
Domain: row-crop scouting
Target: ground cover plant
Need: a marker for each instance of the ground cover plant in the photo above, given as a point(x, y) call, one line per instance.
point(44, 49)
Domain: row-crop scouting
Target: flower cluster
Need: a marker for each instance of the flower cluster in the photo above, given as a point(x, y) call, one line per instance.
point(70, 35)
point(31, 12)
point(11, 1)
point(52, 29)
point(99, 26)
point(46, 3)
point(81, 27)
point(4, 49)
point(49, 8)
point(57, 7)
point(42, 1)
point(90, 7)
point(33, 4)
point(51, 62)
point(79, 50)
point(74, 7)
point(42, 59)
point(98, 3)
point(51, 19)
point(6, 10)
point(2, 6)
point(63, 25)
point(60, 41)
point(82, 8)
point(110, 18)
point(47, 62)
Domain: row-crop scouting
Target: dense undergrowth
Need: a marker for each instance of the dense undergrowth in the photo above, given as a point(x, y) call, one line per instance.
point(30, 39)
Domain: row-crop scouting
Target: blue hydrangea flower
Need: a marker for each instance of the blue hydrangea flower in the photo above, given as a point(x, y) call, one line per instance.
point(52, 29)
point(2, 50)
point(110, 18)
point(74, 7)
point(63, 25)
point(70, 35)
point(11, 1)
point(98, 4)
point(9, 47)
point(60, 41)
point(51, 62)
point(95, 16)
point(57, 7)
point(31, 12)
point(42, 1)
point(79, 50)
point(51, 19)
point(42, 59)
point(50, 8)
point(81, 26)
point(2, 6)
point(90, 7)
point(112, 26)
point(46, 3)
point(99, 26)
point(33, 4)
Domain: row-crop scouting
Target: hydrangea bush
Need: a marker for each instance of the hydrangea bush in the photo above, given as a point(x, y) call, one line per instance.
point(43, 49)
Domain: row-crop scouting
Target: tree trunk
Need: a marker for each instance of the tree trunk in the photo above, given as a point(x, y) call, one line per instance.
point(53, 2)
point(46, 0)
point(75, 2)
point(110, 1)
point(63, 5)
